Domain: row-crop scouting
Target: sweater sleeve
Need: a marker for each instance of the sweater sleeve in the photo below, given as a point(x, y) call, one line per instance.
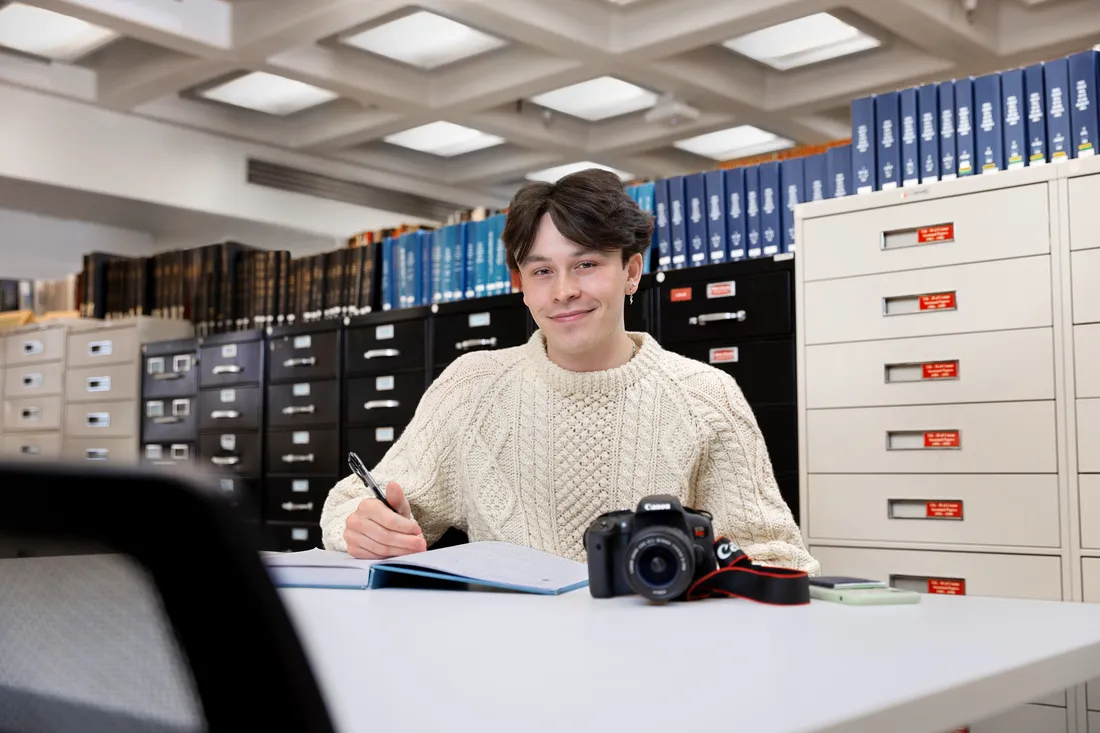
point(421, 461)
point(736, 483)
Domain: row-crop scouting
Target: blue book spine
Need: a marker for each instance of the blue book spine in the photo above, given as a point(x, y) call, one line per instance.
point(663, 227)
point(964, 127)
point(400, 272)
point(387, 273)
point(989, 135)
point(459, 261)
point(771, 220)
point(910, 146)
point(863, 148)
point(815, 172)
point(928, 110)
point(427, 267)
point(446, 265)
point(949, 158)
point(677, 222)
point(735, 206)
point(838, 169)
point(482, 263)
point(414, 268)
point(888, 153)
point(1084, 72)
point(437, 266)
point(645, 203)
point(470, 276)
point(752, 212)
point(1034, 90)
point(696, 204)
point(791, 182)
point(1014, 118)
point(1059, 137)
point(503, 277)
point(716, 215)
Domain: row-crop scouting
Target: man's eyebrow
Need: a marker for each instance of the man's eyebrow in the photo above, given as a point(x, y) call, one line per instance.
point(577, 253)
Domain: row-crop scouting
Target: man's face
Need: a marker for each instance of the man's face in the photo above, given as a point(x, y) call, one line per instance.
point(575, 295)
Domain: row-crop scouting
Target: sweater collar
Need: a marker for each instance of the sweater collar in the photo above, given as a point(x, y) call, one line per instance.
point(645, 362)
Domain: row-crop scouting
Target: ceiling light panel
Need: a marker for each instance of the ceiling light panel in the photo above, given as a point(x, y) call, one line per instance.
point(263, 92)
point(804, 41)
point(735, 142)
point(48, 34)
point(425, 40)
point(552, 175)
point(597, 99)
point(445, 139)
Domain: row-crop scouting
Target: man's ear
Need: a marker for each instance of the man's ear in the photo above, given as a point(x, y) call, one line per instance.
point(634, 267)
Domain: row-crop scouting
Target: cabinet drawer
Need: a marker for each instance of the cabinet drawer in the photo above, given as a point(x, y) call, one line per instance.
point(97, 346)
point(98, 383)
point(1002, 509)
point(372, 443)
point(1088, 436)
point(32, 380)
point(754, 305)
point(988, 296)
point(1088, 493)
point(33, 413)
point(386, 347)
point(240, 492)
point(456, 334)
point(996, 366)
point(168, 455)
point(303, 404)
point(1084, 226)
point(34, 347)
point(292, 536)
point(384, 399)
point(1090, 578)
point(933, 233)
point(779, 426)
point(954, 573)
point(296, 499)
point(93, 451)
point(1084, 274)
point(117, 419)
point(170, 419)
point(229, 364)
point(1024, 719)
point(169, 375)
point(231, 453)
point(1086, 360)
point(304, 357)
point(764, 370)
point(314, 452)
point(1094, 717)
point(230, 408)
point(1016, 437)
point(31, 445)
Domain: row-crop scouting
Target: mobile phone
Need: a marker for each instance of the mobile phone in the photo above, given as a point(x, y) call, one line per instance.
point(864, 596)
point(842, 581)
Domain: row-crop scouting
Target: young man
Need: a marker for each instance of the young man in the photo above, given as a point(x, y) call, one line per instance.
point(528, 445)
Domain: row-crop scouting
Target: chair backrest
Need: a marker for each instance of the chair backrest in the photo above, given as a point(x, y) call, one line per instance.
point(132, 600)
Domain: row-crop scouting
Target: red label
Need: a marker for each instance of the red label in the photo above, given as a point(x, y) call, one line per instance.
point(942, 439)
point(941, 233)
point(944, 509)
point(723, 356)
point(944, 587)
point(940, 370)
point(679, 294)
point(721, 289)
point(937, 301)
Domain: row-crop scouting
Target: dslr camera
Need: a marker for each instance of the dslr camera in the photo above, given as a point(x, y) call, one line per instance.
point(656, 551)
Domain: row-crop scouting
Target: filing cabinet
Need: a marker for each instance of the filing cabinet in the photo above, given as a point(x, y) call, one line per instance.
point(32, 390)
point(641, 315)
point(497, 322)
point(169, 403)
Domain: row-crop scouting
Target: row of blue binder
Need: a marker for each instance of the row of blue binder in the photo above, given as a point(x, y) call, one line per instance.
point(1044, 113)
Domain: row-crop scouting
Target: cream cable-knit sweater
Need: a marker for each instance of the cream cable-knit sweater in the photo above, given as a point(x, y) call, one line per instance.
point(506, 445)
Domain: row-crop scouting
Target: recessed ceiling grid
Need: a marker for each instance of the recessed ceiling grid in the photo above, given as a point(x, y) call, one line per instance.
point(479, 95)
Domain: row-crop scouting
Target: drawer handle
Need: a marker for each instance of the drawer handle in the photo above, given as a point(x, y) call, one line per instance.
point(291, 458)
point(100, 348)
point(225, 460)
point(290, 506)
point(712, 317)
point(99, 384)
point(469, 343)
point(916, 236)
point(32, 381)
point(167, 420)
point(924, 509)
point(96, 454)
point(225, 414)
point(32, 347)
point(31, 413)
point(375, 353)
point(98, 419)
point(928, 371)
point(293, 410)
point(162, 376)
point(227, 369)
point(923, 440)
point(902, 305)
point(375, 404)
point(29, 450)
point(302, 361)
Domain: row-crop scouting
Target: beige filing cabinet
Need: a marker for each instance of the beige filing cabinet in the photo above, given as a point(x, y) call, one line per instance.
point(102, 410)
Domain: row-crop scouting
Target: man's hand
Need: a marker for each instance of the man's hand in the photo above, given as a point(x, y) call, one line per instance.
point(373, 531)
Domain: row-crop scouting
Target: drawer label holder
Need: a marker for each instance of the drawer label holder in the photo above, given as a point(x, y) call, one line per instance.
point(943, 509)
point(942, 439)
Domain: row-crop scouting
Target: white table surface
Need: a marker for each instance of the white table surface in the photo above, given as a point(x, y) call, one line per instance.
point(435, 660)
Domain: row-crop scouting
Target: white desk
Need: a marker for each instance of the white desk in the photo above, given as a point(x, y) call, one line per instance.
point(451, 661)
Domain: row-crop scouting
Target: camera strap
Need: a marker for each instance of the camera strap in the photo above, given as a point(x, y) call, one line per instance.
point(738, 577)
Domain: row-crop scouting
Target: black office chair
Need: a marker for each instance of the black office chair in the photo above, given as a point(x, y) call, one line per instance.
point(137, 601)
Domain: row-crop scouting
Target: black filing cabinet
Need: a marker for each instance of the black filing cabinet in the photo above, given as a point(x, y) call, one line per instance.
point(169, 399)
point(231, 415)
point(640, 315)
point(481, 324)
point(304, 400)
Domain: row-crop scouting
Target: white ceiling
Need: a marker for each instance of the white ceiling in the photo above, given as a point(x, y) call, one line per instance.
point(166, 58)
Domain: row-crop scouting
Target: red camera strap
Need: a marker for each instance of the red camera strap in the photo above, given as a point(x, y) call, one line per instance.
point(738, 577)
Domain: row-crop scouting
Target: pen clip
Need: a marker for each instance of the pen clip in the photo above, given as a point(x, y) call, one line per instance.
point(360, 470)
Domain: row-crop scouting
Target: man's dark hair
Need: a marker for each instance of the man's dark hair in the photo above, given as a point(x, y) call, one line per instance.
point(589, 207)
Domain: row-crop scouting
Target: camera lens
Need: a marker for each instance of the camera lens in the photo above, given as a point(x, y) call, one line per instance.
point(660, 564)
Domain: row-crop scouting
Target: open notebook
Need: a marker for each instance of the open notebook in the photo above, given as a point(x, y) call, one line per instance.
point(495, 565)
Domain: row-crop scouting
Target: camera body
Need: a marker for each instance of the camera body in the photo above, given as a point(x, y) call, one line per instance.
point(656, 551)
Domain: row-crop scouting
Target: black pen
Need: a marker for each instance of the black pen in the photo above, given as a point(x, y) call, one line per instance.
point(361, 471)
